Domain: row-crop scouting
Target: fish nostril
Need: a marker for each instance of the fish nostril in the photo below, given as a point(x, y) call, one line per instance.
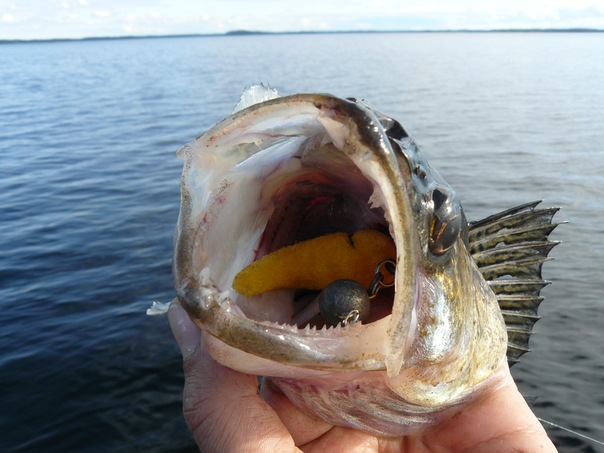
point(439, 198)
point(396, 130)
point(393, 128)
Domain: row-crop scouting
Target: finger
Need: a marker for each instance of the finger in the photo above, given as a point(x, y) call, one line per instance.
point(499, 421)
point(303, 428)
point(222, 407)
point(315, 435)
point(186, 333)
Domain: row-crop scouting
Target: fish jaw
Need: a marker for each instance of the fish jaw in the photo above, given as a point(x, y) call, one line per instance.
point(237, 170)
point(365, 402)
point(461, 340)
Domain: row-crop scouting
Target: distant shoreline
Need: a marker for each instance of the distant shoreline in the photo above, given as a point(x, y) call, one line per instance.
point(257, 33)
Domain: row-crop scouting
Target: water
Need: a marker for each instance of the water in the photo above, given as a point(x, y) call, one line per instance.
point(89, 194)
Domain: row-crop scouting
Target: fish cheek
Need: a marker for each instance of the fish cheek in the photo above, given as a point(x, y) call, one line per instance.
point(460, 339)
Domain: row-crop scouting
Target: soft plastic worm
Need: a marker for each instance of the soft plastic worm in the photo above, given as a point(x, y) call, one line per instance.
point(315, 263)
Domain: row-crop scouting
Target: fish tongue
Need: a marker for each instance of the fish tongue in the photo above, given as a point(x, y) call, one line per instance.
point(307, 313)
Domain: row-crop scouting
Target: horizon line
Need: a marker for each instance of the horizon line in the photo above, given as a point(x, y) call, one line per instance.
point(309, 32)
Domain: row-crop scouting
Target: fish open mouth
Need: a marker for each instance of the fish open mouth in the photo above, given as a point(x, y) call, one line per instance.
point(301, 189)
point(329, 200)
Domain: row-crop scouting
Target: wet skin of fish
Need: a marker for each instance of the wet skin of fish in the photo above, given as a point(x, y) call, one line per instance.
point(298, 171)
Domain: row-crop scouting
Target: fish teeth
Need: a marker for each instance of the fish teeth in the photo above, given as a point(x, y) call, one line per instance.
point(225, 295)
point(287, 326)
point(204, 277)
point(325, 330)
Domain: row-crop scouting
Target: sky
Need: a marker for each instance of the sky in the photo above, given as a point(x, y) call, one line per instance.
point(51, 19)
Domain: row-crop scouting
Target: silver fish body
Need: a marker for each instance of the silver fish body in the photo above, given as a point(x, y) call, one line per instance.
point(291, 168)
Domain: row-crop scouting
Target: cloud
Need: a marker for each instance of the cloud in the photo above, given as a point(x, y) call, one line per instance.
point(81, 18)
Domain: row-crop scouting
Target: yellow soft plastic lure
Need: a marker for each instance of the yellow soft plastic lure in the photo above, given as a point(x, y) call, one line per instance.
point(315, 263)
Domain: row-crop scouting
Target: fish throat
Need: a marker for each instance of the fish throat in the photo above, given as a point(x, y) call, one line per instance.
point(322, 231)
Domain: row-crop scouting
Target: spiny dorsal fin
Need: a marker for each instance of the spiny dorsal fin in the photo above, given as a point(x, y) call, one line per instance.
point(509, 249)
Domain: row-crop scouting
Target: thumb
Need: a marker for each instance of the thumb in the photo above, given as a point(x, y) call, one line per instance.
point(186, 332)
point(222, 407)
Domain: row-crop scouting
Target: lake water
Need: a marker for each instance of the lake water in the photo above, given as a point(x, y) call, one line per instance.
point(89, 195)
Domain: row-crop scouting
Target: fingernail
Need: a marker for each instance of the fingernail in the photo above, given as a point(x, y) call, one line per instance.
point(187, 334)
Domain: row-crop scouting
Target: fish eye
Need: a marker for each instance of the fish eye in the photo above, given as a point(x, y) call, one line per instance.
point(447, 222)
point(444, 234)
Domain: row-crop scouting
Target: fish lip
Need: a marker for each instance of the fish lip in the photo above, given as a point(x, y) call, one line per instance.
point(218, 315)
point(351, 127)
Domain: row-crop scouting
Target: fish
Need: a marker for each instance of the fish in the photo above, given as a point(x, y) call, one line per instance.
point(282, 191)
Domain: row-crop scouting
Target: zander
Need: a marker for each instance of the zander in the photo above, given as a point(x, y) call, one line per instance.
point(282, 189)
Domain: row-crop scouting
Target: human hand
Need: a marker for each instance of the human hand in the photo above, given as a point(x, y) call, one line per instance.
point(226, 412)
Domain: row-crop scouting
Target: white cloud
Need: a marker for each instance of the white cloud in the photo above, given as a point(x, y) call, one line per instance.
point(38, 18)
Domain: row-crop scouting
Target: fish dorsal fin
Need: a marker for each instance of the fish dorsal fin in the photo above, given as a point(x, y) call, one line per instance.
point(509, 249)
point(254, 95)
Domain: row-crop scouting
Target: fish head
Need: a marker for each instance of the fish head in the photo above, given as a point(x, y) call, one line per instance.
point(289, 169)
